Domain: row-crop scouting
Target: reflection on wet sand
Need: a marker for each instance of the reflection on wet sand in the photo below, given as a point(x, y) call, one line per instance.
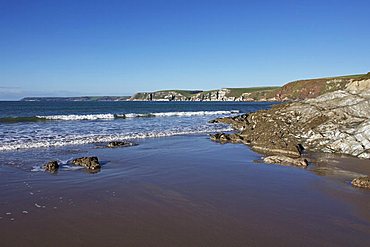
point(339, 166)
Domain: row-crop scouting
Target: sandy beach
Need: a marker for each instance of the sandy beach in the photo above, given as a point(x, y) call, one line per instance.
point(184, 123)
point(180, 191)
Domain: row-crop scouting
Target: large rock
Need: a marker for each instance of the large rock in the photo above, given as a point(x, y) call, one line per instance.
point(284, 160)
point(224, 138)
point(335, 122)
point(238, 122)
point(51, 166)
point(362, 182)
point(345, 125)
point(88, 162)
point(117, 144)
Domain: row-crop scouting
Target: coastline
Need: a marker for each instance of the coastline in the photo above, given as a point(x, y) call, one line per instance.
point(335, 122)
point(182, 191)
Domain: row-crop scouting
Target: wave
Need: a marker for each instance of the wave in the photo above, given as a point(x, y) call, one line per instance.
point(21, 119)
point(181, 114)
point(74, 117)
point(111, 116)
point(89, 139)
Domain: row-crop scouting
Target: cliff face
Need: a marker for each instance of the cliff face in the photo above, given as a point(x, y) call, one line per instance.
point(345, 121)
point(166, 95)
point(225, 94)
point(292, 91)
point(335, 122)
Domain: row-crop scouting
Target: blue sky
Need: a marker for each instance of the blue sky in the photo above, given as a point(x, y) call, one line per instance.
point(67, 48)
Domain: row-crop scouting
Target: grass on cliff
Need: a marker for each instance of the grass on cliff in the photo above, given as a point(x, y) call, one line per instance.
point(357, 76)
point(237, 92)
point(363, 77)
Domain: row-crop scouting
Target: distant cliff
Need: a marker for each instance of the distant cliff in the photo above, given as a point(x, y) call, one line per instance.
point(292, 91)
point(225, 94)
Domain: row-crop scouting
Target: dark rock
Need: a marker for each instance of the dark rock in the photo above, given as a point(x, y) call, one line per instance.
point(219, 137)
point(284, 160)
point(116, 144)
point(237, 122)
point(276, 147)
point(51, 166)
point(224, 138)
point(362, 182)
point(264, 131)
point(88, 162)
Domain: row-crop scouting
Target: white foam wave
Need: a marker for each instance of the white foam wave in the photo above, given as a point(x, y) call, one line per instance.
point(109, 116)
point(180, 114)
point(37, 169)
point(88, 139)
point(135, 115)
point(78, 117)
point(193, 113)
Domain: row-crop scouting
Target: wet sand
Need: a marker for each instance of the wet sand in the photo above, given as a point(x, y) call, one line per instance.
point(180, 191)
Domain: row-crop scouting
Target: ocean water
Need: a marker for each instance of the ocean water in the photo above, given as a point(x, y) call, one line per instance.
point(26, 125)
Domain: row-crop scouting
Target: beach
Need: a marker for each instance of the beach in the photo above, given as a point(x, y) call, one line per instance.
point(179, 191)
point(184, 123)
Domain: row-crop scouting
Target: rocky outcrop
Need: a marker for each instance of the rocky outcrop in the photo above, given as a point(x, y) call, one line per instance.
point(116, 144)
point(284, 160)
point(51, 166)
point(88, 162)
point(362, 182)
point(225, 138)
point(215, 95)
point(238, 122)
point(165, 95)
point(265, 132)
point(336, 122)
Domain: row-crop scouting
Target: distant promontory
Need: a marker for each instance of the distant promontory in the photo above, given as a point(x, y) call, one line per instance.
point(292, 91)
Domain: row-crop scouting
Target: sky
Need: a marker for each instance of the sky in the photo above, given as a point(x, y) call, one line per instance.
point(72, 48)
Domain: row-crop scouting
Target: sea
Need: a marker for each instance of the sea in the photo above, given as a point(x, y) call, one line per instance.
point(45, 124)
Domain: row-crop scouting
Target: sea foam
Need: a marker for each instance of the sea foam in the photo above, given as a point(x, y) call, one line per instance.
point(78, 117)
point(88, 139)
point(110, 116)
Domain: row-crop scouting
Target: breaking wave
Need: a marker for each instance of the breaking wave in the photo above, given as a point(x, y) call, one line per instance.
point(88, 139)
point(110, 116)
